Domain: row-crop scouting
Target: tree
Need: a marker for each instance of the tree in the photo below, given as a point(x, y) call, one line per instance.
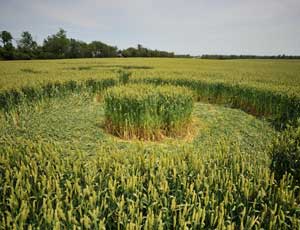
point(7, 51)
point(130, 52)
point(141, 51)
point(27, 47)
point(100, 49)
point(6, 38)
point(78, 49)
point(74, 50)
point(57, 45)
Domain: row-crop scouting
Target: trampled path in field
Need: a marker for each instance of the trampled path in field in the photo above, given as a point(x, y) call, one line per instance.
point(75, 122)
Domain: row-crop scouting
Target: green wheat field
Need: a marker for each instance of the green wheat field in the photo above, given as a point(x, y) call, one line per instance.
point(60, 168)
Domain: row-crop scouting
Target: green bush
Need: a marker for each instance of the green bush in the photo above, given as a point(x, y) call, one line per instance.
point(146, 111)
point(285, 154)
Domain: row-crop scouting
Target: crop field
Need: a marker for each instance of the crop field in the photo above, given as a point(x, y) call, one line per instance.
point(274, 75)
point(157, 143)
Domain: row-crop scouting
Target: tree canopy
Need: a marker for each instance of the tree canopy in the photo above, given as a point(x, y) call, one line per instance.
point(58, 45)
point(7, 50)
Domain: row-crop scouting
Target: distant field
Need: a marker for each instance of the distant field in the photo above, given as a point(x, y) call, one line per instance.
point(276, 75)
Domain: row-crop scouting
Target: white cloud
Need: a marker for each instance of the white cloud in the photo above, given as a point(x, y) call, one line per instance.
point(194, 26)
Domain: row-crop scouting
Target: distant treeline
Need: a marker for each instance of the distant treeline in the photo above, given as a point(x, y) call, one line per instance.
point(223, 57)
point(58, 46)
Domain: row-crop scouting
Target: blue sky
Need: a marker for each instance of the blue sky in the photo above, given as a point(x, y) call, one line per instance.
point(263, 27)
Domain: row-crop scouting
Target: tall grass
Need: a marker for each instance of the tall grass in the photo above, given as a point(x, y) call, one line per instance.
point(281, 109)
point(11, 98)
point(42, 186)
point(147, 112)
point(285, 154)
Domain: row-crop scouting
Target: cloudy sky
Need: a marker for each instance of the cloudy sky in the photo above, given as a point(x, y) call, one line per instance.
point(183, 26)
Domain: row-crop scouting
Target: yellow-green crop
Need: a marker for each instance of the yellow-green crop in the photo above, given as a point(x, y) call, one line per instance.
point(59, 169)
point(146, 111)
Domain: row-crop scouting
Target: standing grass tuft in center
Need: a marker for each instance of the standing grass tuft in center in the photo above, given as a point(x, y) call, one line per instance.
point(148, 112)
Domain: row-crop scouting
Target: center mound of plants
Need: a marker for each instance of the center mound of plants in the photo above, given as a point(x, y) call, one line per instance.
point(147, 112)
